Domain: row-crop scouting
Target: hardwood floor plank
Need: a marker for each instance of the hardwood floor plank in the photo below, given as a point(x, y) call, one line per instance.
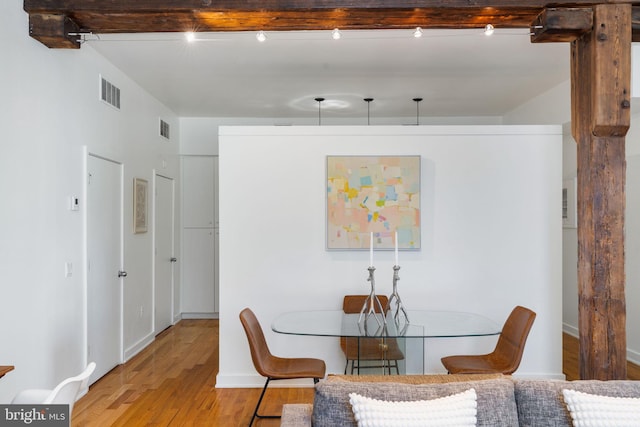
point(172, 383)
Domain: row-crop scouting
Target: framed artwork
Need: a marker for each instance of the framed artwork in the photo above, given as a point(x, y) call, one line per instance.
point(569, 203)
point(139, 205)
point(373, 194)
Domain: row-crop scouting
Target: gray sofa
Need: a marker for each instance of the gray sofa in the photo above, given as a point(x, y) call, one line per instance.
point(501, 400)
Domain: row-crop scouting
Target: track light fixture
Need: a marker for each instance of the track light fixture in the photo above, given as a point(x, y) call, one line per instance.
point(488, 29)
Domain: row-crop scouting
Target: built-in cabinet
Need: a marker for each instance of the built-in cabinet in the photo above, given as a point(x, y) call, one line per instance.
point(200, 234)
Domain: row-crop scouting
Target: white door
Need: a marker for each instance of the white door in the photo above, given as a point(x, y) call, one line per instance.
point(197, 264)
point(164, 208)
point(104, 264)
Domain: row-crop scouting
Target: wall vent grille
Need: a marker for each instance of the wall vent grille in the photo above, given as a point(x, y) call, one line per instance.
point(109, 93)
point(165, 129)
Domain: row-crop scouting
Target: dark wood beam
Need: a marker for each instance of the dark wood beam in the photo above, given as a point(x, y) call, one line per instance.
point(273, 5)
point(600, 89)
point(567, 24)
point(561, 25)
point(55, 31)
point(147, 16)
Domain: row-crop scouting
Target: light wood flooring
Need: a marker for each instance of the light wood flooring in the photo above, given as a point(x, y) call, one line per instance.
point(172, 383)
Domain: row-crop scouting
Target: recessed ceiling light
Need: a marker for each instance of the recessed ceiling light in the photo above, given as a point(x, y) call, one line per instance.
point(335, 34)
point(418, 32)
point(190, 36)
point(261, 36)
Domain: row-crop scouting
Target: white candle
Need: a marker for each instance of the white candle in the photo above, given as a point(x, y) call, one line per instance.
point(396, 248)
point(371, 250)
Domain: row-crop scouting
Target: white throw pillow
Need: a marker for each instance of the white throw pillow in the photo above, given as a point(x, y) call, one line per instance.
point(591, 410)
point(457, 410)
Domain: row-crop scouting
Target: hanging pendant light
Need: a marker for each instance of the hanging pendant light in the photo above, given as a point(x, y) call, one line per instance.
point(368, 101)
point(319, 101)
point(417, 101)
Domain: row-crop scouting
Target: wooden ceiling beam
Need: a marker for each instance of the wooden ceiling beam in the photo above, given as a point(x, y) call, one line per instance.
point(561, 25)
point(54, 30)
point(554, 25)
point(291, 5)
point(149, 16)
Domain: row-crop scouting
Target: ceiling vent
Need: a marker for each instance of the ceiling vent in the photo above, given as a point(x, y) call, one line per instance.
point(164, 129)
point(109, 93)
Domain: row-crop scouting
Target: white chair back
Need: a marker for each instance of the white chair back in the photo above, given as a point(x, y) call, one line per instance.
point(65, 393)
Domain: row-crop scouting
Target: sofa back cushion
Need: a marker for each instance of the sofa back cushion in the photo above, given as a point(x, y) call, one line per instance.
point(540, 402)
point(496, 402)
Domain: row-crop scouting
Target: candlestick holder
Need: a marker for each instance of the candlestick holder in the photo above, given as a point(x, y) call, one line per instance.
point(372, 303)
point(395, 297)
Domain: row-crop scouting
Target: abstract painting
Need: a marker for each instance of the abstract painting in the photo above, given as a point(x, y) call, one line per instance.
point(373, 194)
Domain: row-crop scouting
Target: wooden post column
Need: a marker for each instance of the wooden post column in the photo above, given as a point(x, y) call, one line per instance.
point(600, 91)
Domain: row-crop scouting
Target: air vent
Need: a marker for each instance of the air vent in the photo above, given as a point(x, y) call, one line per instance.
point(164, 129)
point(109, 93)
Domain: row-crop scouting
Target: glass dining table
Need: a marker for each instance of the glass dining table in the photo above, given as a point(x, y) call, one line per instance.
point(409, 336)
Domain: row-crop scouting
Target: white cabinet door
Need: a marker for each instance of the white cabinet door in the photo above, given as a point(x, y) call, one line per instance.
point(198, 270)
point(198, 191)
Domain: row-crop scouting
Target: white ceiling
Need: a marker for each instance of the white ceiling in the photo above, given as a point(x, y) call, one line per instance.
point(457, 72)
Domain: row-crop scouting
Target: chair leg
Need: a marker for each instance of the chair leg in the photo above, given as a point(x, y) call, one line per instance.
point(255, 413)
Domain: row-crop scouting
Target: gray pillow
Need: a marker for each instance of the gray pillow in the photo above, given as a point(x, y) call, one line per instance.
point(540, 402)
point(496, 402)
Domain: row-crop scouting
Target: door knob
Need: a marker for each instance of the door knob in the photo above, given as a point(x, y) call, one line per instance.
point(122, 273)
point(173, 259)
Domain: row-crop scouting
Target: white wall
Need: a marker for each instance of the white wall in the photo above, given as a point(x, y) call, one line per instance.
point(49, 111)
point(490, 237)
point(550, 107)
point(199, 135)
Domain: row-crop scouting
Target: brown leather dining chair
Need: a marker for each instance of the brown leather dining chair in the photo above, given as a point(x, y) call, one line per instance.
point(506, 356)
point(358, 350)
point(273, 367)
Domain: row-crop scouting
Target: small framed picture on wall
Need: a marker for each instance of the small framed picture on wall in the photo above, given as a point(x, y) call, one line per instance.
point(139, 205)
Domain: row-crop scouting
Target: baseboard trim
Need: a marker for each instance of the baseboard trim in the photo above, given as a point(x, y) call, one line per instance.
point(200, 315)
point(569, 329)
point(633, 357)
point(526, 376)
point(257, 381)
point(138, 347)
